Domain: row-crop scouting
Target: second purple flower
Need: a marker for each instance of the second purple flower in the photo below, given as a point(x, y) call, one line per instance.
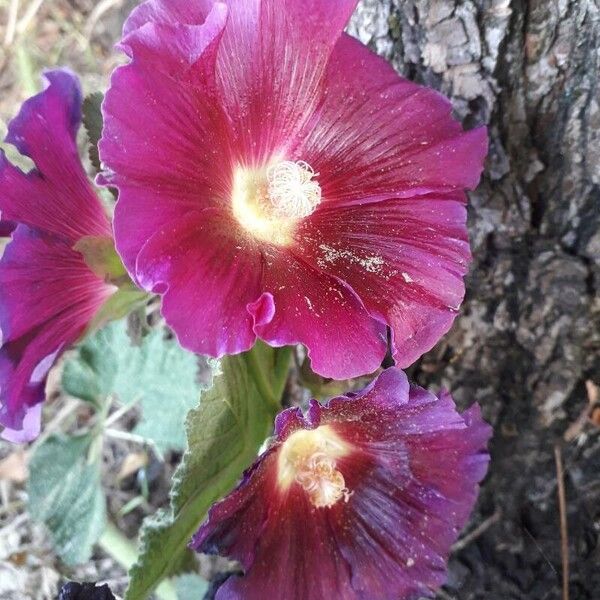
point(359, 500)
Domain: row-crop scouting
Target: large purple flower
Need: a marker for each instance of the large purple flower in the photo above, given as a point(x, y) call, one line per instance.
point(359, 500)
point(278, 180)
point(48, 293)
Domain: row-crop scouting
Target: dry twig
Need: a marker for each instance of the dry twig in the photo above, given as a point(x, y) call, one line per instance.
point(564, 533)
point(11, 23)
point(587, 414)
point(96, 14)
point(29, 16)
point(478, 531)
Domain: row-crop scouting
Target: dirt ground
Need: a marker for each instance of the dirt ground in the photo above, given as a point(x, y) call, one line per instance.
point(526, 345)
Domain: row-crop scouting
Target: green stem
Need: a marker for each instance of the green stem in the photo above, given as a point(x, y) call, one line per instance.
point(282, 370)
point(256, 370)
point(26, 71)
point(123, 550)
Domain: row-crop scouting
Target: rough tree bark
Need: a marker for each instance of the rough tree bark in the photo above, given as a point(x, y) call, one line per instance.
point(528, 336)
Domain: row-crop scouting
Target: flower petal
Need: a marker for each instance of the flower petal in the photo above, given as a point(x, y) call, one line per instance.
point(6, 228)
point(48, 298)
point(322, 313)
point(213, 88)
point(32, 424)
point(404, 258)
point(377, 136)
point(56, 196)
point(208, 275)
point(170, 12)
point(173, 47)
point(412, 474)
point(165, 139)
point(311, 566)
point(271, 66)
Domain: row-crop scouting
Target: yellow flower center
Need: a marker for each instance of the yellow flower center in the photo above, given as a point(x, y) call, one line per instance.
point(309, 459)
point(269, 202)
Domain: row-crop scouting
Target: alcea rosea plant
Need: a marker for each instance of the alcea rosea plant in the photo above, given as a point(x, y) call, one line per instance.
point(276, 181)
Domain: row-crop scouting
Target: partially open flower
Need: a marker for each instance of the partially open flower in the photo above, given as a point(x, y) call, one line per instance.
point(278, 180)
point(359, 500)
point(48, 293)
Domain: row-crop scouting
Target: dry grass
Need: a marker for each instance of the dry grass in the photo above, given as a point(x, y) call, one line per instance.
point(38, 34)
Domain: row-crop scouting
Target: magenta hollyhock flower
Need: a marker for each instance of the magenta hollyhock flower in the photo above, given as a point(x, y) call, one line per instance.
point(48, 293)
point(279, 180)
point(360, 499)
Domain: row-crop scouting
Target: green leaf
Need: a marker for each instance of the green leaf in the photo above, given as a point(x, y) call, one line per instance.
point(101, 257)
point(124, 301)
point(64, 492)
point(224, 435)
point(158, 374)
point(191, 586)
point(92, 121)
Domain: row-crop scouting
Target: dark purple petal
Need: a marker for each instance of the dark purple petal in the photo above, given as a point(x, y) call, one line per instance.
point(49, 294)
point(85, 591)
point(6, 228)
point(409, 464)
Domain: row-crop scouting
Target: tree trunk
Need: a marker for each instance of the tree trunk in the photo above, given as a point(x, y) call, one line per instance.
point(528, 336)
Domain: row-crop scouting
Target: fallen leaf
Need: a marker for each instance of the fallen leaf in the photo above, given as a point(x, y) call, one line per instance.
point(14, 467)
point(132, 463)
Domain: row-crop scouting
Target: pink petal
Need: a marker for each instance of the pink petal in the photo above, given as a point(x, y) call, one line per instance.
point(48, 298)
point(377, 135)
point(170, 12)
point(140, 214)
point(271, 66)
point(178, 48)
point(208, 274)
point(56, 195)
point(165, 139)
point(212, 88)
point(405, 259)
point(322, 313)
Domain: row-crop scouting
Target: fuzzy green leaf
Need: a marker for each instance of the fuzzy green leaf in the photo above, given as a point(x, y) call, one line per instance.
point(158, 374)
point(224, 435)
point(92, 121)
point(65, 493)
point(189, 586)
